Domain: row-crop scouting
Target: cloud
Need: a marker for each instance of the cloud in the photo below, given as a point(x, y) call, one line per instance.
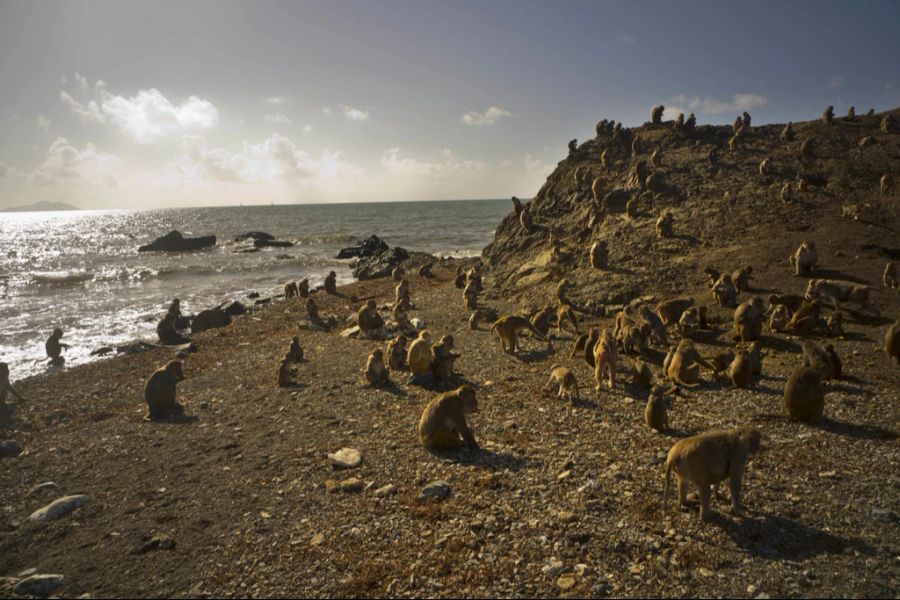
point(66, 164)
point(398, 165)
point(488, 117)
point(307, 128)
point(275, 100)
point(836, 82)
point(43, 122)
point(88, 113)
point(327, 111)
point(82, 82)
point(5, 169)
point(739, 102)
point(626, 38)
point(277, 118)
point(354, 114)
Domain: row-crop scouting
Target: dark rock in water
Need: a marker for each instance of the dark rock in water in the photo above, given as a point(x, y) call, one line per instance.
point(175, 242)
point(254, 235)
point(245, 251)
point(210, 319)
point(262, 301)
point(272, 244)
point(253, 295)
point(370, 247)
point(234, 308)
point(10, 449)
point(134, 348)
point(102, 351)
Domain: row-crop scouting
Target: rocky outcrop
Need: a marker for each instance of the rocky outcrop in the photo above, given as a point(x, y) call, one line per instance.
point(272, 244)
point(175, 242)
point(364, 249)
point(255, 236)
point(374, 258)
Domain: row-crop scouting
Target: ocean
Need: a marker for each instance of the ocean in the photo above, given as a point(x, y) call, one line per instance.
point(81, 271)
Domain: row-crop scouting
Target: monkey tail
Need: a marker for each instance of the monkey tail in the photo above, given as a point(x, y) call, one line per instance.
point(677, 380)
point(669, 466)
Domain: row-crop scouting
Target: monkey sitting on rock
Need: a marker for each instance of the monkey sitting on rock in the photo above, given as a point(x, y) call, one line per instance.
point(443, 423)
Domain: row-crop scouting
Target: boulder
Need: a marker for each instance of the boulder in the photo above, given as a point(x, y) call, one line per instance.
point(59, 508)
point(234, 308)
point(379, 265)
point(370, 247)
point(210, 319)
point(175, 242)
point(254, 235)
point(272, 244)
point(10, 449)
point(40, 586)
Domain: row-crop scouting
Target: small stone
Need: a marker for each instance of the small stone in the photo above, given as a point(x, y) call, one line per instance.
point(352, 485)
point(438, 490)
point(59, 508)
point(885, 515)
point(563, 475)
point(41, 487)
point(158, 542)
point(345, 458)
point(10, 449)
point(331, 486)
point(38, 585)
point(317, 540)
point(386, 491)
point(566, 582)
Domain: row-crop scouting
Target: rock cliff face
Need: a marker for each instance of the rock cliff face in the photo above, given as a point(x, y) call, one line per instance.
point(728, 210)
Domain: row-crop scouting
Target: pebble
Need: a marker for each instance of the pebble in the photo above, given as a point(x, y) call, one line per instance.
point(38, 585)
point(59, 508)
point(385, 491)
point(566, 582)
point(885, 515)
point(352, 485)
point(345, 458)
point(10, 449)
point(41, 487)
point(317, 540)
point(436, 489)
point(157, 542)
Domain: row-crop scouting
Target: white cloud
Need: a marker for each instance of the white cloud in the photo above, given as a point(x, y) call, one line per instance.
point(488, 117)
point(626, 38)
point(354, 114)
point(275, 100)
point(671, 112)
point(327, 111)
point(149, 116)
point(88, 113)
point(43, 122)
point(5, 169)
point(836, 82)
point(398, 165)
point(739, 102)
point(277, 118)
point(82, 82)
point(66, 164)
point(307, 128)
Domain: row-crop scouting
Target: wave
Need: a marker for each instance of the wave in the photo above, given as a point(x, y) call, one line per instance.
point(61, 278)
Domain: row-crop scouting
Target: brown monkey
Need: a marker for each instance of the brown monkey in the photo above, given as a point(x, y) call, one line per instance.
point(541, 320)
point(419, 355)
point(787, 134)
point(634, 339)
point(778, 321)
point(712, 276)
point(605, 359)
point(670, 311)
point(828, 115)
point(295, 352)
point(749, 317)
point(745, 121)
point(804, 396)
point(837, 366)
point(720, 361)
point(892, 341)
point(54, 347)
point(599, 254)
point(837, 292)
point(443, 422)
point(656, 114)
point(442, 358)
point(707, 459)
point(835, 324)
point(397, 274)
point(507, 328)
point(679, 123)
point(402, 294)
point(425, 270)
point(737, 125)
point(741, 279)
point(167, 332)
point(284, 376)
point(573, 146)
point(376, 374)
point(887, 185)
point(887, 124)
point(787, 193)
point(517, 207)
point(792, 302)
point(597, 189)
point(689, 322)
point(656, 159)
point(808, 148)
point(816, 357)
point(891, 276)
point(805, 259)
point(601, 128)
point(806, 318)
point(604, 158)
point(740, 369)
point(303, 288)
point(655, 413)
point(756, 356)
point(331, 283)
point(578, 345)
point(561, 291)
point(369, 320)
point(396, 352)
point(6, 387)
point(589, 344)
point(851, 114)
point(683, 366)
point(565, 313)
point(724, 292)
point(312, 313)
point(665, 224)
point(565, 380)
point(290, 289)
point(643, 376)
point(632, 208)
point(764, 166)
point(159, 391)
point(691, 123)
point(470, 294)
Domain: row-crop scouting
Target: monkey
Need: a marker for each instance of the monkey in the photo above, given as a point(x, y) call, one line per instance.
point(599, 254)
point(643, 376)
point(792, 302)
point(851, 211)
point(892, 341)
point(887, 185)
point(635, 339)
point(656, 159)
point(656, 114)
point(402, 294)
point(670, 311)
point(679, 122)
point(635, 147)
point(418, 357)
point(312, 313)
point(787, 134)
point(442, 358)
point(639, 174)
point(740, 369)
point(470, 294)
point(712, 276)
point(474, 277)
point(565, 313)
point(712, 157)
point(689, 322)
point(331, 283)
point(604, 158)
point(564, 378)
point(787, 193)
point(6, 387)
point(507, 328)
point(632, 208)
point(683, 367)
point(866, 141)
point(396, 352)
point(664, 225)
point(54, 347)
point(303, 288)
point(369, 320)
point(443, 422)
point(851, 114)
point(733, 141)
point(807, 149)
point(749, 317)
point(561, 292)
point(167, 333)
point(707, 459)
point(805, 318)
point(720, 362)
point(578, 345)
point(517, 206)
point(738, 125)
point(375, 372)
point(624, 320)
point(801, 186)
point(828, 115)
point(290, 290)
point(805, 259)
point(804, 396)
point(541, 319)
point(589, 344)
point(741, 279)
point(525, 220)
point(837, 366)
point(655, 413)
point(398, 314)
point(397, 274)
point(159, 391)
point(745, 121)
point(597, 190)
point(691, 123)
point(605, 359)
point(835, 324)
point(601, 128)
point(618, 132)
point(724, 292)
point(284, 376)
point(756, 356)
point(764, 166)
point(180, 321)
point(295, 352)
point(870, 112)
point(816, 357)
point(425, 270)
point(654, 182)
point(887, 124)
point(891, 276)
point(483, 314)
point(837, 292)
point(573, 146)
point(460, 280)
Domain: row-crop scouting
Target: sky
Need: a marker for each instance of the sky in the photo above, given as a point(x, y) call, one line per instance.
point(195, 103)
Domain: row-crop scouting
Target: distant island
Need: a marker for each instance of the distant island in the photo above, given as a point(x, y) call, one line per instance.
point(41, 206)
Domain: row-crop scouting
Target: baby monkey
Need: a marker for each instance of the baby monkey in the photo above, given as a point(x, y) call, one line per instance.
point(564, 378)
